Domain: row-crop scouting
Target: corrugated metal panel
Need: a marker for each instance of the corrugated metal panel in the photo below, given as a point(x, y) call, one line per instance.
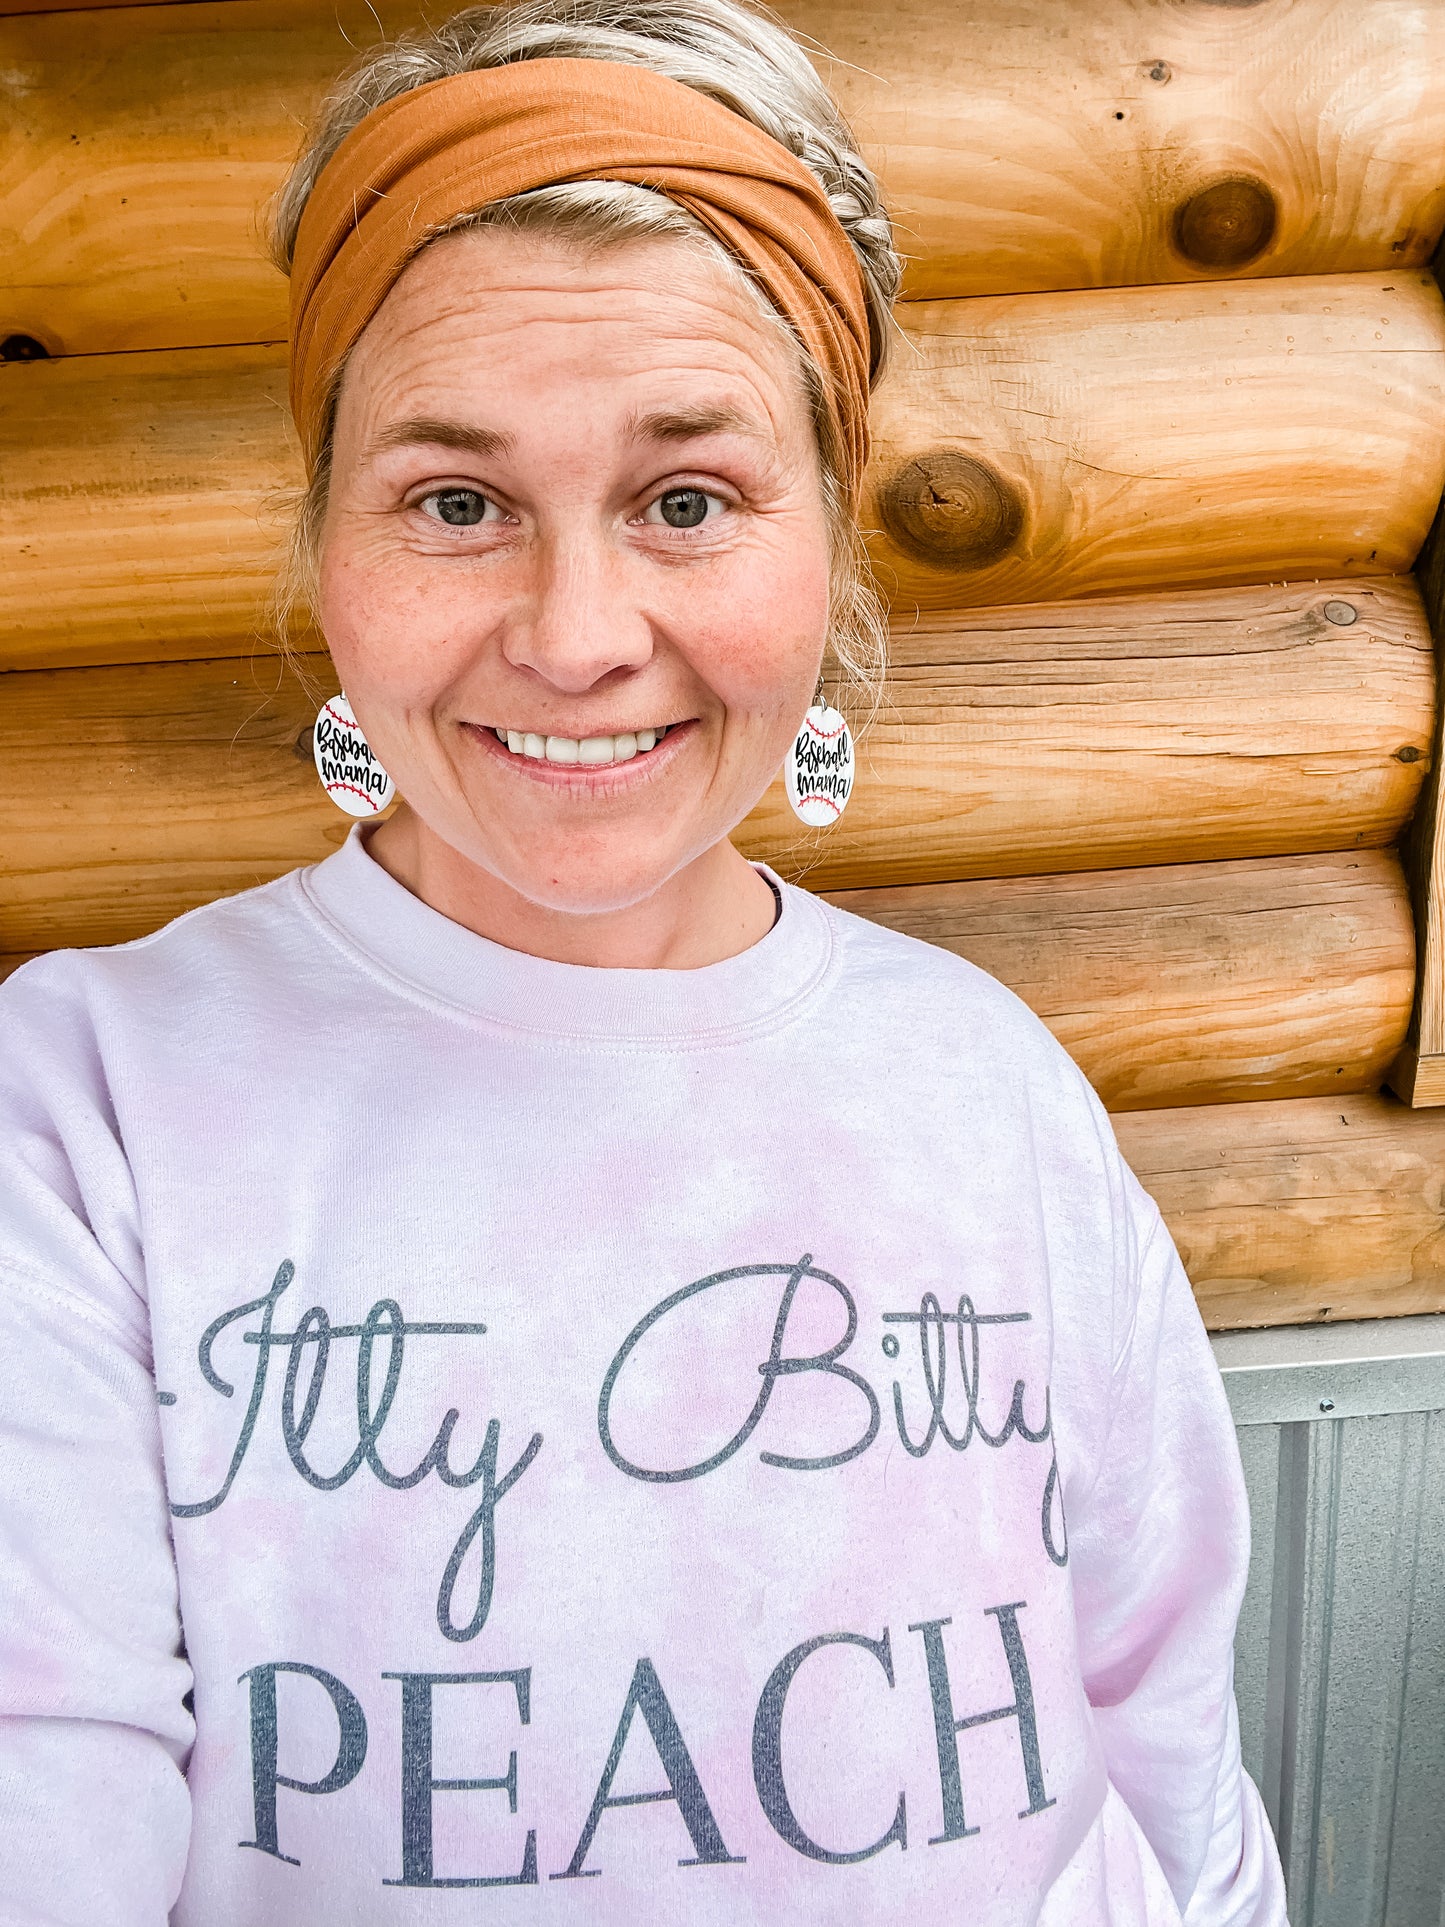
point(1340, 1659)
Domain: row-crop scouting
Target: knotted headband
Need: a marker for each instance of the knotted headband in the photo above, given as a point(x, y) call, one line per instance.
point(451, 147)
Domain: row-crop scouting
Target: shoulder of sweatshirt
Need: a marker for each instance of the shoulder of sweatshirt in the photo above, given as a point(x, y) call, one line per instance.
point(197, 954)
point(900, 1005)
point(982, 1067)
point(899, 985)
point(79, 1026)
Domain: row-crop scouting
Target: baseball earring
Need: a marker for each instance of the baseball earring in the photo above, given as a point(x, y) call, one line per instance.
point(346, 762)
point(818, 774)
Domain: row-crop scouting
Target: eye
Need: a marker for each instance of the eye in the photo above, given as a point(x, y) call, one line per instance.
point(459, 508)
point(683, 508)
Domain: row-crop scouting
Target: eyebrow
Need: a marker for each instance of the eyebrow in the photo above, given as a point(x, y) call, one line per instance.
point(463, 436)
point(663, 425)
point(687, 424)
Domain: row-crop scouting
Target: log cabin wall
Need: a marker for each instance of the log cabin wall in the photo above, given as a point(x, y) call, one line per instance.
point(1163, 440)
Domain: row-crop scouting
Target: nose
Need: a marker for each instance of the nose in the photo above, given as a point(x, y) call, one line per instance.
point(575, 622)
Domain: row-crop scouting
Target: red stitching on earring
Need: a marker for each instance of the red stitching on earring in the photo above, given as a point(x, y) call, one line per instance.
point(365, 795)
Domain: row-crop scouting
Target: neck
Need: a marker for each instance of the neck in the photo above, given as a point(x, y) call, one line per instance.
point(715, 908)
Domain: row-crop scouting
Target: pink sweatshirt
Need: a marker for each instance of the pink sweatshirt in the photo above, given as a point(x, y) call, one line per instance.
point(723, 1446)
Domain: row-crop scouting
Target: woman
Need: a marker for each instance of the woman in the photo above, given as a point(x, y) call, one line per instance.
point(540, 1356)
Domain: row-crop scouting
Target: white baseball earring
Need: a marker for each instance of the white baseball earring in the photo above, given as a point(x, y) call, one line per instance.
point(818, 774)
point(346, 763)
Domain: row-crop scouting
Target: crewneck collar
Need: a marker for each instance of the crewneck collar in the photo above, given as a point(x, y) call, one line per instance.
point(424, 954)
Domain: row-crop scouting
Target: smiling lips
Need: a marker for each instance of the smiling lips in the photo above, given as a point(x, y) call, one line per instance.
point(594, 751)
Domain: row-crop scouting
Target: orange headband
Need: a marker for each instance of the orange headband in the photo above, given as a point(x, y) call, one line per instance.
point(455, 145)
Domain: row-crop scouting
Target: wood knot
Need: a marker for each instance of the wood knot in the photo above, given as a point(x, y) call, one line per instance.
point(1226, 224)
point(23, 348)
point(951, 511)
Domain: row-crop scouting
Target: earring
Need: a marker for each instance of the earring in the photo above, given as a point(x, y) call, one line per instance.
point(346, 762)
point(818, 774)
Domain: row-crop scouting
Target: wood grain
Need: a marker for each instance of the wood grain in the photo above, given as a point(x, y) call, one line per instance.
point(1302, 1210)
point(66, 6)
point(1088, 443)
point(1033, 144)
point(1147, 729)
point(136, 493)
point(134, 794)
point(1197, 983)
point(1066, 738)
point(1035, 446)
point(137, 153)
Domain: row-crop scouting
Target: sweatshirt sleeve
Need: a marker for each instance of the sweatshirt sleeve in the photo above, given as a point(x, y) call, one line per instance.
point(94, 1728)
point(1160, 1557)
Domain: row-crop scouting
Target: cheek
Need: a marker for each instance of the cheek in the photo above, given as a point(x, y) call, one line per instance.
point(756, 630)
point(387, 626)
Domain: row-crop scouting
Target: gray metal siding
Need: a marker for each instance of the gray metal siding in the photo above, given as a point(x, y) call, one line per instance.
point(1340, 1658)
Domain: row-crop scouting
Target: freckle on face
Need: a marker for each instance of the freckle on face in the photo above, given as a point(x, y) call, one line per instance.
point(572, 609)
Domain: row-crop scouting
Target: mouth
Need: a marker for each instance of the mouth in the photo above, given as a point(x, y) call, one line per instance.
point(587, 752)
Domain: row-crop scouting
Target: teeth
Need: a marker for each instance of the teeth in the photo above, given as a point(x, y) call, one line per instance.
point(592, 751)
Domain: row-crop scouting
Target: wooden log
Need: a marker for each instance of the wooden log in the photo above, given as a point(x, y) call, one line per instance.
point(1046, 445)
point(1033, 447)
point(136, 156)
point(1193, 983)
point(135, 493)
point(1153, 729)
point(1036, 145)
point(1078, 737)
point(1044, 144)
point(1303, 1210)
point(134, 794)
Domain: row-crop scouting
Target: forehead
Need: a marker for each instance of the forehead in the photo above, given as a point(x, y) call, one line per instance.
point(486, 310)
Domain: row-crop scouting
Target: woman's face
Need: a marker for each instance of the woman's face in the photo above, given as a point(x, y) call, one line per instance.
point(574, 568)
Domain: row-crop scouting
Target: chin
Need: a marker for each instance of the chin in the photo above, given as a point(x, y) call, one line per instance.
point(595, 885)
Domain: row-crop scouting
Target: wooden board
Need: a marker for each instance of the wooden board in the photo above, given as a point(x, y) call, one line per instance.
point(1113, 440)
point(1044, 445)
point(1082, 736)
point(1029, 145)
point(136, 504)
point(1195, 983)
point(1302, 1210)
point(1152, 729)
